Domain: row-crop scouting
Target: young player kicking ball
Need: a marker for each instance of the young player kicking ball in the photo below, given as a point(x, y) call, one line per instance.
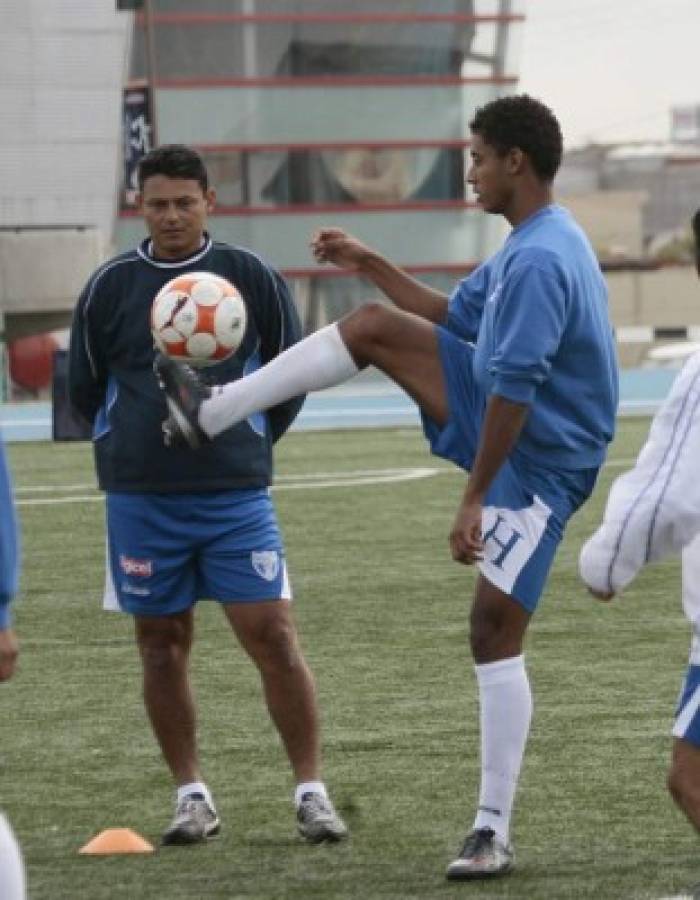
point(516, 378)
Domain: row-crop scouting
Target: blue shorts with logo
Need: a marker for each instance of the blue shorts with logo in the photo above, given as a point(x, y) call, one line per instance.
point(166, 551)
point(527, 505)
point(687, 723)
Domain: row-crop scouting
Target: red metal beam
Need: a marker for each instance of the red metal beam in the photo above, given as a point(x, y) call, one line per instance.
point(314, 209)
point(335, 81)
point(342, 18)
point(457, 269)
point(333, 145)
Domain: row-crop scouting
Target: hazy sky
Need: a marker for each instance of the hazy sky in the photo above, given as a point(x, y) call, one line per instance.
point(611, 69)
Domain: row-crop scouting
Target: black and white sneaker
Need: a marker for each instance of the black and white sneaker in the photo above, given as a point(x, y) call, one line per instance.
point(195, 820)
point(483, 855)
point(184, 393)
point(318, 821)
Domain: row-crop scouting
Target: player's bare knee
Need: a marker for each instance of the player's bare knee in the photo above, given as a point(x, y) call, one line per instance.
point(163, 648)
point(275, 646)
point(162, 657)
point(365, 329)
point(484, 635)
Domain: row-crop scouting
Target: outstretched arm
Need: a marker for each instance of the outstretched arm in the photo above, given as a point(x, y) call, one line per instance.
point(343, 250)
point(653, 510)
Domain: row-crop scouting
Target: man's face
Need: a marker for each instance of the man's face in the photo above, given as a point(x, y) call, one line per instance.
point(490, 176)
point(175, 211)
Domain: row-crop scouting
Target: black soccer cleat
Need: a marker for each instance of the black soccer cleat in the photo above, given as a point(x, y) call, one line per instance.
point(184, 393)
point(483, 855)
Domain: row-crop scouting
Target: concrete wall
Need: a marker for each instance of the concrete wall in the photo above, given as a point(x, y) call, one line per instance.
point(62, 67)
point(613, 221)
point(40, 297)
point(645, 303)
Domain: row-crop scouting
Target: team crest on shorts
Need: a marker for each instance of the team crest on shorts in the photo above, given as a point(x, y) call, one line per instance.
point(266, 563)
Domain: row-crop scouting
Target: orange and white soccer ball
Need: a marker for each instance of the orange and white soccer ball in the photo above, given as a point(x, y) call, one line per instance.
point(198, 318)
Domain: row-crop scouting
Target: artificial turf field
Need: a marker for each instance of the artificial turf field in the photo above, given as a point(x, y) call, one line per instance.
point(382, 612)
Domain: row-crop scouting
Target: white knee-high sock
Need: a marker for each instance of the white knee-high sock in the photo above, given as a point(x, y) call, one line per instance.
point(319, 361)
point(506, 709)
point(12, 883)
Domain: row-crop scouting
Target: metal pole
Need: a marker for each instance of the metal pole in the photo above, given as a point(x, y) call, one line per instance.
point(150, 66)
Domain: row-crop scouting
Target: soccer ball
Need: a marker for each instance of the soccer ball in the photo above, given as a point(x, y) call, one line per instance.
point(198, 318)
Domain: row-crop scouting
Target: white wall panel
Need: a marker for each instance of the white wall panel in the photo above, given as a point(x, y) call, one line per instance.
point(62, 67)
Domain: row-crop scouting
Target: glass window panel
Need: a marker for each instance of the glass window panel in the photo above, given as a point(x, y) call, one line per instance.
point(317, 115)
point(409, 237)
point(322, 299)
point(320, 7)
point(219, 49)
point(354, 175)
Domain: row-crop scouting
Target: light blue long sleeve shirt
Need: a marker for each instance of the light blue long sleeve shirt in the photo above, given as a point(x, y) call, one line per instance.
point(537, 312)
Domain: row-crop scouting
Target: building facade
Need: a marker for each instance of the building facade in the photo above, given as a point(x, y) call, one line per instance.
point(307, 115)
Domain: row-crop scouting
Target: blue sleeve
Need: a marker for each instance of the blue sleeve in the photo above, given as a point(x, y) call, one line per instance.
point(87, 372)
point(279, 328)
point(9, 545)
point(466, 304)
point(530, 318)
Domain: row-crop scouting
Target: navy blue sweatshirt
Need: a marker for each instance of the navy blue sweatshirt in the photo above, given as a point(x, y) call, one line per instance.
point(111, 381)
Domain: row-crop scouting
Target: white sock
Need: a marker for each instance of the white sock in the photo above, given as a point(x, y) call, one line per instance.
point(309, 787)
point(12, 881)
point(194, 787)
point(506, 709)
point(319, 361)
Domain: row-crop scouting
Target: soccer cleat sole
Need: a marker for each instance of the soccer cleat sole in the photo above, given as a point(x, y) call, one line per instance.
point(457, 874)
point(177, 429)
point(322, 834)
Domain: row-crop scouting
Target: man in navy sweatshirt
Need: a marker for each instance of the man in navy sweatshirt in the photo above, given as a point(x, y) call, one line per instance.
point(184, 526)
point(516, 377)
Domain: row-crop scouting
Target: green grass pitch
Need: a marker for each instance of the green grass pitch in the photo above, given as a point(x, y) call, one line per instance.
point(382, 612)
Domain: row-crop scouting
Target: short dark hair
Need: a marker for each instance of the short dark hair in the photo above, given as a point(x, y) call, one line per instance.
point(173, 161)
point(523, 122)
point(696, 240)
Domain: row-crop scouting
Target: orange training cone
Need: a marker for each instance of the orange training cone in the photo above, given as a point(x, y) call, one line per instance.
point(117, 840)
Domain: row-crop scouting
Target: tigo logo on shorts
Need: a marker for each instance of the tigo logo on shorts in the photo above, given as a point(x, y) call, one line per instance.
point(266, 563)
point(141, 568)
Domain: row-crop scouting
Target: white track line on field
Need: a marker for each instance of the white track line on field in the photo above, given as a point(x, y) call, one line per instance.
point(302, 481)
point(48, 488)
point(351, 480)
point(356, 478)
point(52, 501)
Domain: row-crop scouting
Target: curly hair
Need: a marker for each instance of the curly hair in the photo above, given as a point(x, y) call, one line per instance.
point(173, 161)
point(523, 122)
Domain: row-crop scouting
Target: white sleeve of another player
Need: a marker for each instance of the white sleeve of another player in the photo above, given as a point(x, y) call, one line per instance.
point(654, 509)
